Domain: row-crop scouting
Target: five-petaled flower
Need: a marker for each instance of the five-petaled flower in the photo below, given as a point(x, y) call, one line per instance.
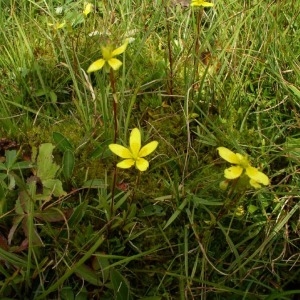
point(58, 25)
point(108, 54)
point(134, 154)
point(88, 8)
point(242, 164)
point(201, 3)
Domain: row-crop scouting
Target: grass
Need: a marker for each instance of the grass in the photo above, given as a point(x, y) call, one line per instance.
point(73, 226)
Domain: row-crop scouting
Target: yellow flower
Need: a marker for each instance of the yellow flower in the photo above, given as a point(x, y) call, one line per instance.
point(57, 25)
point(201, 3)
point(88, 7)
point(242, 164)
point(108, 57)
point(134, 154)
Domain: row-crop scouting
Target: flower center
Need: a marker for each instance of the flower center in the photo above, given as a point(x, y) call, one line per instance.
point(243, 161)
point(107, 52)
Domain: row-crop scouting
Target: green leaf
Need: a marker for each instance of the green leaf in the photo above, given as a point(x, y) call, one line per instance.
point(53, 96)
point(94, 184)
point(10, 158)
point(62, 142)
point(66, 293)
point(78, 214)
point(88, 275)
point(52, 215)
point(292, 147)
point(120, 286)
point(102, 150)
point(295, 90)
point(13, 259)
point(22, 165)
point(151, 210)
point(119, 203)
point(176, 213)
point(53, 187)
point(152, 298)
point(12, 182)
point(101, 265)
point(16, 222)
point(252, 208)
point(31, 233)
point(46, 168)
point(68, 163)
point(3, 167)
point(82, 295)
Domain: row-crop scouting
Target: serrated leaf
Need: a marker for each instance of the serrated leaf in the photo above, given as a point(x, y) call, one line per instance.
point(62, 142)
point(46, 168)
point(2, 167)
point(53, 187)
point(68, 163)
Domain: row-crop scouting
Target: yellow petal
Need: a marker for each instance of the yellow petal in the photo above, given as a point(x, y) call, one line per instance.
point(207, 4)
point(233, 172)
point(97, 65)
point(142, 164)
point(119, 150)
point(61, 25)
point(147, 149)
point(121, 49)
point(126, 163)
point(201, 3)
point(257, 176)
point(255, 184)
point(87, 8)
point(228, 155)
point(114, 63)
point(135, 142)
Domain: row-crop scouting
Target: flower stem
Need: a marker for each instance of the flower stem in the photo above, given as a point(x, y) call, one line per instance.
point(197, 39)
point(115, 110)
point(170, 56)
point(115, 103)
point(138, 178)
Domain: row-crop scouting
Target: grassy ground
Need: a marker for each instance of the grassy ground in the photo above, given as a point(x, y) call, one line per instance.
point(73, 225)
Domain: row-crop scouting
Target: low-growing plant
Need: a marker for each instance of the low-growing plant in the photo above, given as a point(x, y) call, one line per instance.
point(85, 80)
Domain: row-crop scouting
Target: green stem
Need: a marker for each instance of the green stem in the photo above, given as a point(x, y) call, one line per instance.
point(115, 103)
point(170, 56)
point(115, 110)
point(138, 178)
